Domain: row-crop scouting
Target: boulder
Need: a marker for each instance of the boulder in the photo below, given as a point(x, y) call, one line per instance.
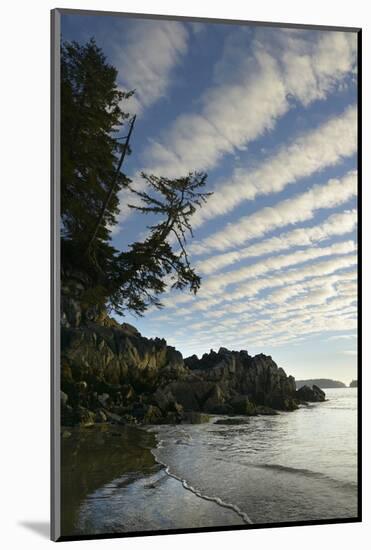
point(191, 417)
point(307, 394)
point(84, 417)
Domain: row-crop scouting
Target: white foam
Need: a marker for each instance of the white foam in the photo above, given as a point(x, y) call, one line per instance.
point(197, 493)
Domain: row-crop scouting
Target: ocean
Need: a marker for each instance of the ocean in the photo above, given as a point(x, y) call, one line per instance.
point(296, 466)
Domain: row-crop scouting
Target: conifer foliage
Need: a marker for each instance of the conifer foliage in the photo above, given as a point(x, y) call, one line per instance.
point(92, 114)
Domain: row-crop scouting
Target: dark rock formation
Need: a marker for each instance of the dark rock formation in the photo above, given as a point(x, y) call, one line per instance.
point(314, 394)
point(111, 373)
point(353, 384)
point(232, 421)
point(322, 383)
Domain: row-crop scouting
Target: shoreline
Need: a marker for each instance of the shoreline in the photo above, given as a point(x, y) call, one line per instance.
point(173, 476)
point(92, 457)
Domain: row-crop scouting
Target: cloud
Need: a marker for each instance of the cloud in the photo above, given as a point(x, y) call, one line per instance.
point(213, 291)
point(336, 224)
point(233, 114)
point(145, 54)
point(290, 211)
point(307, 154)
point(350, 352)
point(313, 68)
point(274, 263)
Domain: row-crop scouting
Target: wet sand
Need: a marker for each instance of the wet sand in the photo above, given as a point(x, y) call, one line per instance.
point(92, 457)
point(111, 483)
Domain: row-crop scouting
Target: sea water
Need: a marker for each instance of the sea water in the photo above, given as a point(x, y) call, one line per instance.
point(295, 466)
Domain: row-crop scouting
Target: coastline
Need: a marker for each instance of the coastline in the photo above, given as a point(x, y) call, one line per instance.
point(94, 456)
point(122, 464)
point(216, 474)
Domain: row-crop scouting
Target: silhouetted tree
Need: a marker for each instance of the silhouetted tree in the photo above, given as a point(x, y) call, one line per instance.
point(91, 178)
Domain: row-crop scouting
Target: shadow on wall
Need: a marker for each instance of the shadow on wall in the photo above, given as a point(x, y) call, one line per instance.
point(42, 528)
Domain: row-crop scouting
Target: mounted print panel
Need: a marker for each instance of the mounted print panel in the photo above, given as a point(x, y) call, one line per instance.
point(205, 275)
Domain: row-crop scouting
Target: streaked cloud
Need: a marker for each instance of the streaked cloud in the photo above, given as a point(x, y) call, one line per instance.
point(335, 225)
point(290, 211)
point(307, 154)
point(145, 55)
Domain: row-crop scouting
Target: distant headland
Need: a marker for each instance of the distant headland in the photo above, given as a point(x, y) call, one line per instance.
point(323, 383)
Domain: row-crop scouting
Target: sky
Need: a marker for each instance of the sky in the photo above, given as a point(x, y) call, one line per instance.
point(270, 115)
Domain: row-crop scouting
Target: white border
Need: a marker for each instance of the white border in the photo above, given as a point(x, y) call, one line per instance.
point(25, 100)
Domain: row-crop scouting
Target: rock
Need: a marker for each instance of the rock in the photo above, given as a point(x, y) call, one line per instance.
point(224, 351)
point(103, 399)
point(191, 393)
point(320, 393)
point(266, 411)
point(64, 399)
point(314, 394)
point(152, 415)
point(112, 368)
point(82, 386)
point(232, 421)
point(67, 416)
point(84, 417)
point(290, 404)
point(100, 416)
point(114, 418)
point(242, 405)
point(191, 361)
point(191, 417)
point(129, 329)
point(163, 399)
point(322, 383)
point(222, 409)
point(215, 400)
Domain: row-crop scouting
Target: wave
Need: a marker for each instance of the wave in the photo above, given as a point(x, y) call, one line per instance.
point(198, 493)
point(300, 471)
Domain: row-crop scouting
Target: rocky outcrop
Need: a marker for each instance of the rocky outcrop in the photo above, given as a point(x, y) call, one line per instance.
point(313, 394)
point(353, 384)
point(112, 373)
point(234, 382)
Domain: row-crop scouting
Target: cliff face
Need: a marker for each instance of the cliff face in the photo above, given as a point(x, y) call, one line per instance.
point(113, 373)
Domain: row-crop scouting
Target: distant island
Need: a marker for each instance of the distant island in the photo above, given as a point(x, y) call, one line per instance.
point(322, 383)
point(353, 384)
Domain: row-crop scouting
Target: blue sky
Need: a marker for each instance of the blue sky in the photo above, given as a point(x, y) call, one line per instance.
point(270, 115)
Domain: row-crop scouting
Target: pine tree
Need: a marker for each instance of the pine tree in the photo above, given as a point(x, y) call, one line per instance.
point(91, 179)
